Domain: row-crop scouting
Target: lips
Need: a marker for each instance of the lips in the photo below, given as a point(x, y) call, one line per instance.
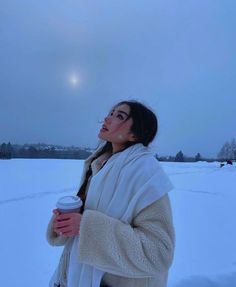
point(105, 128)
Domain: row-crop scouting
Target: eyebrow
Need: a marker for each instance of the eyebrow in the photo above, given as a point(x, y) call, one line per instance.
point(121, 112)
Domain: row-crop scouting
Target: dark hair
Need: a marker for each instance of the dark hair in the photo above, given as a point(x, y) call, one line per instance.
point(144, 127)
point(145, 122)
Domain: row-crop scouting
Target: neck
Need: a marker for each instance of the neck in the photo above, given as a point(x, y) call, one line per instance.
point(117, 148)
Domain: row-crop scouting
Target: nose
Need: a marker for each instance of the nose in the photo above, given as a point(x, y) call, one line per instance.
point(107, 119)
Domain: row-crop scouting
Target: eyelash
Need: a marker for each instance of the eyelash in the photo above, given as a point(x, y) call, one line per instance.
point(119, 115)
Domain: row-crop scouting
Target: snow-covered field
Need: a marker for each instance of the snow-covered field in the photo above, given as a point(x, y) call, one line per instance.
point(204, 210)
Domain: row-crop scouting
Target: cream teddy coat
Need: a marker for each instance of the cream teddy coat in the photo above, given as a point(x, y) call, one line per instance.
point(139, 254)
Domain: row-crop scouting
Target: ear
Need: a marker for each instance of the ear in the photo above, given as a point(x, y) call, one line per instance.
point(132, 138)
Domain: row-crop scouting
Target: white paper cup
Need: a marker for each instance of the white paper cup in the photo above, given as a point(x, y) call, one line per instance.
point(67, 204)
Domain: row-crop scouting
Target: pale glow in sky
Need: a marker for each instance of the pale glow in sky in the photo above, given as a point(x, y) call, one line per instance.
point(74, 80)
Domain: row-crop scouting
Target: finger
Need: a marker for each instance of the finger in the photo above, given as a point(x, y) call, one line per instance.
point(69, 233)
point(69, 215)
point(65, 216)
point(64, 230)
point(58, 232)
point(73, 229)
point(56, 211)
point(61, 224)
point(72, 233)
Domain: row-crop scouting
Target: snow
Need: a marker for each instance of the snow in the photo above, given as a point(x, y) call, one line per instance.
point(203, 204)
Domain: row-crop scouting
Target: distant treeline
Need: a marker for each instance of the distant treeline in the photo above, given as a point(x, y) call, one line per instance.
point(8, 151)
point(41, 150)
point(180, 157)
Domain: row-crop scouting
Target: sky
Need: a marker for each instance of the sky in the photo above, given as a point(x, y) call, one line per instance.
point(64, 64)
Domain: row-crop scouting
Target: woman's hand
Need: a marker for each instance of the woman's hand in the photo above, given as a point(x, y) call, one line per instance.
point(67, 224)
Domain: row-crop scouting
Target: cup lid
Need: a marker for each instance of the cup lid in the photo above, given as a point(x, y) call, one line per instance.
point(69, 202)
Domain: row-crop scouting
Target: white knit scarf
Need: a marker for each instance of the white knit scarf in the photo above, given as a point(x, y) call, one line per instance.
point(130, 181)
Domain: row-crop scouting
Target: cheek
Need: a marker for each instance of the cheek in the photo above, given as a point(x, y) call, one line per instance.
point(116, 127)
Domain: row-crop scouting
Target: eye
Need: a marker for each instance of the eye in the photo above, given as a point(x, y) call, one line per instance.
point(120, 116)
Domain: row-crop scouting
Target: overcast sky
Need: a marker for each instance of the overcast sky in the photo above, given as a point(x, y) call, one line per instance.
point(64, 64)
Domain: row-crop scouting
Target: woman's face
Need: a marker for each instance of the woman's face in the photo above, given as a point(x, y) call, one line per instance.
point(115, 128)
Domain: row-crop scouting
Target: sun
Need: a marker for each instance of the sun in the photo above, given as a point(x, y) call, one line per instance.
point(74, 80)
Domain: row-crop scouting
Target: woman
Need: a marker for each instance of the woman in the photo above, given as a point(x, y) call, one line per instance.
point(124, 235)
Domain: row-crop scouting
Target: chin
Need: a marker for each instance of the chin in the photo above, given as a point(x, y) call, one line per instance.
point(101, 136)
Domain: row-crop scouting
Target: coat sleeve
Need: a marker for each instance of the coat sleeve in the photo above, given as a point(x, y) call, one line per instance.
point(142, 249)
point(52, 238)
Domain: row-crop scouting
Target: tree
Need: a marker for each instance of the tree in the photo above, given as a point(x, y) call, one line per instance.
point(179, 157)
point(228, 150)
point(3, 147)
point(156, 156)
point(32, 151)
point(6, 151)
point(233, 147)
point(198, 157)
point(10, 148)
